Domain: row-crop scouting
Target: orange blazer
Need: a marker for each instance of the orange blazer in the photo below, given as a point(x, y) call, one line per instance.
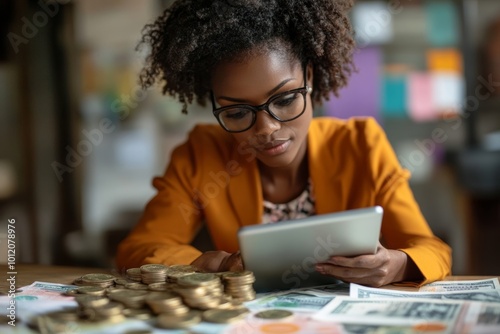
point(211, 180)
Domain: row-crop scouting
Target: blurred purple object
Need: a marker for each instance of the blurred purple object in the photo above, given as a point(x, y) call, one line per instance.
point(361, 97)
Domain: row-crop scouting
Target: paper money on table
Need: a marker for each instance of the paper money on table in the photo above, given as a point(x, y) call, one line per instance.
point(443, 286)
point(359, 291)
point(296, 300)
point(415, 312)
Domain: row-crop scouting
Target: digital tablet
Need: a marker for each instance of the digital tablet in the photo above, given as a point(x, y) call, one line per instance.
point(283, 255)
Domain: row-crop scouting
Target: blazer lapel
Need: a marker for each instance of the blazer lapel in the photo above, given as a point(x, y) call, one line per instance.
point(323, 170)
point(245, 191)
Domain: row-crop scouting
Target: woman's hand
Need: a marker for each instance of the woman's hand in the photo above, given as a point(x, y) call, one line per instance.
point(383, 267)
point(217, 261)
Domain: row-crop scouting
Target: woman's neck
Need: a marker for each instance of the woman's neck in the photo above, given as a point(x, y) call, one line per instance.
point(283, 184)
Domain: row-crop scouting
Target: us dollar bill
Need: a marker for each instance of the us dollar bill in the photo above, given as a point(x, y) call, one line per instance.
point(392, 312)
point(359, 291)
point(444, 286)
point(298, 300)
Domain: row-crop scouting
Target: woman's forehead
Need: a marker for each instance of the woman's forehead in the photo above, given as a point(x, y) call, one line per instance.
point(262, 72)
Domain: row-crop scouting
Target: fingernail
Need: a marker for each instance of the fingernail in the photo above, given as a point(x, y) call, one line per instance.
point(320, 269)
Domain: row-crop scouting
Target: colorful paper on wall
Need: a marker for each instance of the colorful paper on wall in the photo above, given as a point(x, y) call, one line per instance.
point(394, 95)
point(442, 23)
point(445, 60)
point(420, 97)
point(372, 23)
point(448, 91)
point(362, 95)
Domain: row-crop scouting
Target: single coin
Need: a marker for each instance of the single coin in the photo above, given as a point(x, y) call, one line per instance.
point(223, 316)
point(91, 301)
point(98, 278)
point(198, 279)
point(70, 292)
point(91, 290)
point(136, 286)
point(153, 268)
point(78, 282)
point(273, 314)
point(121, 281)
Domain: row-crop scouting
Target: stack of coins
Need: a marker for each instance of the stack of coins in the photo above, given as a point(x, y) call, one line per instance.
point(179, 270)
point(109, 312)
point(101, 280)
point(134, 299)
point(153, 273)
point(239, 285)
point(178, 296)
point(166, 303)
point(200, 290)
point(134, 274)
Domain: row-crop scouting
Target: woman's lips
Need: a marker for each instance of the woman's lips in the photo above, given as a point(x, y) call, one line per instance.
point(275, 147)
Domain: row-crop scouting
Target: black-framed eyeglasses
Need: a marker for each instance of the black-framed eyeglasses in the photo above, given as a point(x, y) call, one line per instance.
point(283, 107)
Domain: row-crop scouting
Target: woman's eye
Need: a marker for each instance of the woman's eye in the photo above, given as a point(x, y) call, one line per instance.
point(236, 114)
point(285, 101)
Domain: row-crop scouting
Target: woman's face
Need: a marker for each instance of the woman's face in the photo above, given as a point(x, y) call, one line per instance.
point(254, 81)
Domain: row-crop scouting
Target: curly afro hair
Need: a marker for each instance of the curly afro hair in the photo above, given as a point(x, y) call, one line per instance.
point(192, 36)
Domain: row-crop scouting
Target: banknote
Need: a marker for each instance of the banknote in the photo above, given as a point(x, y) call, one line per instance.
point(359, 291)
point(390, 312)
point(44, 291)
point(298, 300)
point(444, 286)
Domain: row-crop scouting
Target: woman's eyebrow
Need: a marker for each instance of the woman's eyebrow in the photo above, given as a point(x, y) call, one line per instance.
point(271, 92)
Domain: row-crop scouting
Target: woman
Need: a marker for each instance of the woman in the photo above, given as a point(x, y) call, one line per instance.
point(262, 64)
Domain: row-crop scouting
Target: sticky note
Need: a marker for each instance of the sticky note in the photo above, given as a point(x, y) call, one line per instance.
point(394, 95)
point(372, 22)
point(448, 91)
point(445, 60)
point(361, 97)
point(442, 23)
point(421, 106)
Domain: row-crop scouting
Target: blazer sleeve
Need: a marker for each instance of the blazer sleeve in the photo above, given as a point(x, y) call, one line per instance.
point(170, 220)
point(403, 226)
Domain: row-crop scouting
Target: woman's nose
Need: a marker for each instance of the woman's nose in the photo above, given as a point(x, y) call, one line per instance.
point(265, 124)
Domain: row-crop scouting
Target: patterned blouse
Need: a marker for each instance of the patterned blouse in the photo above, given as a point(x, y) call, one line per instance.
point(300, 207)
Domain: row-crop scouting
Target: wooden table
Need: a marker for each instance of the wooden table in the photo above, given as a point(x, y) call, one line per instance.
point(28, 273)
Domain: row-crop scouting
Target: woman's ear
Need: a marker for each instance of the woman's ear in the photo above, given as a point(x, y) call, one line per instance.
point(309, 75)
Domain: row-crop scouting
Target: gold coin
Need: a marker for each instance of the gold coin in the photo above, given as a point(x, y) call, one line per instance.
point(274, 314)
point(223, 316)
point(186, 320)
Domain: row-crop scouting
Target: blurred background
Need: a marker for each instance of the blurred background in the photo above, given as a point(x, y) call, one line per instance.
point(80, 141)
